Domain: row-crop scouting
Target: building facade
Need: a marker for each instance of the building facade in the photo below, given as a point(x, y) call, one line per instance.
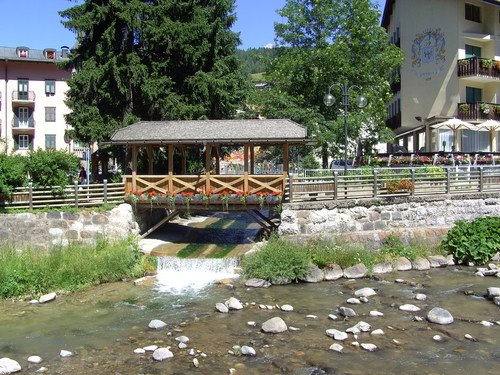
point(32, 93)
point(451, 69)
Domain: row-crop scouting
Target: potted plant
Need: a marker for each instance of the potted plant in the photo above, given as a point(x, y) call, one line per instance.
point(464, 107)
point(487, 63)
point(485, 108)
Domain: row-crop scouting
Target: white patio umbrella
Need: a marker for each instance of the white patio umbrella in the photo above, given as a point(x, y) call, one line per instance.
point(488, 125)
point(454, 124)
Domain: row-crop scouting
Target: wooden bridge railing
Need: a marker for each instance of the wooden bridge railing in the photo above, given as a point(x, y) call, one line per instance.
point(204, 183)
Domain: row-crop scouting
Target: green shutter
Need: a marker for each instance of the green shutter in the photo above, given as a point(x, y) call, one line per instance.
point(16, 142)
point(30, 138)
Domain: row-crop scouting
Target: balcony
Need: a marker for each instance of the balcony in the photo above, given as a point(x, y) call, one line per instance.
point(478, 111)
point(394, 122)
point(23, 98)
point(479, 69)
point(23, 125)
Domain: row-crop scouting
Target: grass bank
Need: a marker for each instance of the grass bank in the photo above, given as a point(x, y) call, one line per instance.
point(34, 272)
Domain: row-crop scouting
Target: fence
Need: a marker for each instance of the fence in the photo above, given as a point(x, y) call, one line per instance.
point(70, 195)
point(389, 182)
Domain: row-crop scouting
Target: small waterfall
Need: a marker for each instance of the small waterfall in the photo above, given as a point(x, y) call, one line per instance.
point(177, 276)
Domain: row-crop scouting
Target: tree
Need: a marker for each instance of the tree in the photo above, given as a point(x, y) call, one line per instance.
point(329, 41)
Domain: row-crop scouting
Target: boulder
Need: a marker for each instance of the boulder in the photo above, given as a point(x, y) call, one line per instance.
point(220, 307)
point(369, 347)
point(314, 274)
point(65, 353)
point(376, 313)
point(421, 264)
point(286, 308)
point(9, 366)
point(363, 326)
point(333, 272)
point(493, 292)
point(381, 268)
point(353, 301)
point(437, 261)
point(35, 359)
point(356, 272)
point(162, 354)
point(157, 324)
point(346, 311)
point(409, 307)
point(248, 351)
point(439, 316)
point(365, 292)
point(336, 347)
point(420, 297)
point(150, 348)
point(274, 325)
point(233, 304)
point(47, 298)
point(336, 334)
point(257, 283)
point(403, 264)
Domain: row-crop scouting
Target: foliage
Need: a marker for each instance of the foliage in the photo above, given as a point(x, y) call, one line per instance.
point(51, 167)
point(34, 272)
point(475, 241)
point(12, 173)
point(256, 60)
point(400, 186)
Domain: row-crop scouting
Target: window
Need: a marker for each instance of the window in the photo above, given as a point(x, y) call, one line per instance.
point(24, 142)
point(50, 114)
point(50, 141)
point(473, 94)
point(472, 51)
point(22, 89)
point(472, 13)
point(23, 119)
point(22, 51)
point(50, 87)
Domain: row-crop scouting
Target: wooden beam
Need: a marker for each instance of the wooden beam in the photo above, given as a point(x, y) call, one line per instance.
point(165, 220)
point(149, 150)
point(286, 158)
point(171, 149)
point(252, 159)
point(208, 158)
point(245, 158)
point(134, 166)
point(217, 160)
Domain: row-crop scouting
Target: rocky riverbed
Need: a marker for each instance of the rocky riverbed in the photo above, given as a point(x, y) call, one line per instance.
point(439, 321)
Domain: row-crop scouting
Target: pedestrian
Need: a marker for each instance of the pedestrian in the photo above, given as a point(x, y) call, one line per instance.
point(82, 177)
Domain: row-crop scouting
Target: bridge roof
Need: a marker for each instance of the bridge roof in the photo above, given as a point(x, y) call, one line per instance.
point(276, 131)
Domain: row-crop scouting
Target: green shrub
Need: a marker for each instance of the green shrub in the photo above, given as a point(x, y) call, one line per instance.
point(278, 259)
point(34, 272)
point(476, 241)
point(51, 167)
point(12, 173)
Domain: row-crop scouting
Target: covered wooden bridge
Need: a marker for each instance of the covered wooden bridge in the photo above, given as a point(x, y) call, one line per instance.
point(176, 137)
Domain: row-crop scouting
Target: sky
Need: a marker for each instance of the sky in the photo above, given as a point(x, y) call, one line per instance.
point(36, 23)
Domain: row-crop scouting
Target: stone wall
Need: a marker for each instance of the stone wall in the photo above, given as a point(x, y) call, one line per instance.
point(370, 221)
point(45, 229)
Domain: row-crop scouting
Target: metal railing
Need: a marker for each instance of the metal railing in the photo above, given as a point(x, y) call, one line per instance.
point(17, 123)
point(23, 96)
point(392, 182)
point(71, 195)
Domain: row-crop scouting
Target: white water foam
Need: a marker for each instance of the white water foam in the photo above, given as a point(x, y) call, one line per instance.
point(178, 276)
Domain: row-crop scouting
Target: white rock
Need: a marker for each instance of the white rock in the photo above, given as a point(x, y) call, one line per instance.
point(332, 317)
point(378, 332)
point(363, 326)
point(233, 304)
point(409, 307)
point(438, 338)
point(493, 292)
point(220, 307)
point(65, 353)
point(248, 350)
point(369, 347)
point(9, 366)
point(157, 324)
point(203, 355)
point(263, 307)
point(196, 363)
point(365, 292)
point(311, 317)
point(33, 302)
point(417, 318)
point(420, 297)
point(293, 328)
point(286, 308)
point(182, 345)
point(192, 352)
point(162, 354)
point(354, 330)
point(183, 339)
point(139, 351)
point(353, 301)
point(486, 323)
point(363, 299)
point(355, 343)
point(34, 359)
point(376, 313)
point(336, 334)
point(42, 370)
point(439, 316)
point(251, 324)
point(469, 337)
point(346, 311)
point(47, 298)
point(269, 307)
point(274, 325)
point(336, 348)
point(150, 348)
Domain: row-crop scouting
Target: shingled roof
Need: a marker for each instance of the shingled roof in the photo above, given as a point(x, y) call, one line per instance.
point(212, 132)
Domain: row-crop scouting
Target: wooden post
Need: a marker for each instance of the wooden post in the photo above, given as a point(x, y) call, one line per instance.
point(481, 179)
point(217, 160)
point(149, 150)
point(171, 149)
point(245, 158)
point(413, 181)
point(208, 158)
point(290, 188)
point(375, 183)
point(134, 167)
point(183, 161)
point(30, 188)
point(286, 159)
point(448, 181)
point(105, 191)
point(428, 138)
point(76, 193)
point(335, 184)
point(252, 159)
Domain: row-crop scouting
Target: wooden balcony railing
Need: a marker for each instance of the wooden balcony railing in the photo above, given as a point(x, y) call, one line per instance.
point(478, 111)
point(476, 66)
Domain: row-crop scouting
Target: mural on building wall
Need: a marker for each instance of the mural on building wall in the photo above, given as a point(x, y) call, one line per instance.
point(428, 53)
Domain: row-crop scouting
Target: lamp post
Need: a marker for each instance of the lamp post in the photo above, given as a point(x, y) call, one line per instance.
point(329, 100)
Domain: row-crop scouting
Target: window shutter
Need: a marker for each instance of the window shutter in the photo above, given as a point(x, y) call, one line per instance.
point(16, 142)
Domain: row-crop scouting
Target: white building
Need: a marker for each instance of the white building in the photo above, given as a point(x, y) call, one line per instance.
point(451, 69)
point(32, 93)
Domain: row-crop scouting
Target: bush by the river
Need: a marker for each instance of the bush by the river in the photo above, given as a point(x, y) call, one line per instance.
point(473, 241)
point(77, 266)
point(281, 258)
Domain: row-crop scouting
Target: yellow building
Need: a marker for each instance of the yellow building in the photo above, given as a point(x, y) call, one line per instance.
point(451, 69)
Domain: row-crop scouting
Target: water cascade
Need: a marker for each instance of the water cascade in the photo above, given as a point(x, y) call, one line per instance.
point(177, 276)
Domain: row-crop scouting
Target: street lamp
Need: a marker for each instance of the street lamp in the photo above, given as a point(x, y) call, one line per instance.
point(329, 100)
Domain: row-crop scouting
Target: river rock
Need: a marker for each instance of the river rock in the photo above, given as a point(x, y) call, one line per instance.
point(421, 264)
point(162, 354)
point(469, 337)
point(47, 298)
point(369, 347)
point(336, 348)
point(9, 366)
point(314, 274)
point(310, 316)
point(150, 348)
point(281, 281)
point(65, 353)
point(496, 257)
point(183, 339)
point(354, 330)
point(333, 272)
point(376, 313)
point(257, 283)
point(381, 268)
point(33, 302)
point(438, 338)
point(336, 334)
point(346, 311)
point(220, 307)
point(139, 351)
point(356, 272)
point(490, 272)
point(439, 316)
point(42, 370)
point(420, 297)
point(409, 307)
point(233, 304)
point(35, 359)
point(437, 261)
point(378, 332)
point(403, 264)
point(248, 351)
point(365, 292)
point(496, 300)
point(493, 292)
point(486, 323)
point(353, 301)
point(157, 324)
point(274, 325)
point(363, 326)
point(286, 308)
point(450, 261)
point(196, 363)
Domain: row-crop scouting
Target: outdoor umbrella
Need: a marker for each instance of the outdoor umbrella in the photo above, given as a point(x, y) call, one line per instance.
point(489, 125)
point(454, 124)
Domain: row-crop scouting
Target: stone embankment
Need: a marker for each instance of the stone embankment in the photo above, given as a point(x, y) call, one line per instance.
point(45, 229)
point(371, 220)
